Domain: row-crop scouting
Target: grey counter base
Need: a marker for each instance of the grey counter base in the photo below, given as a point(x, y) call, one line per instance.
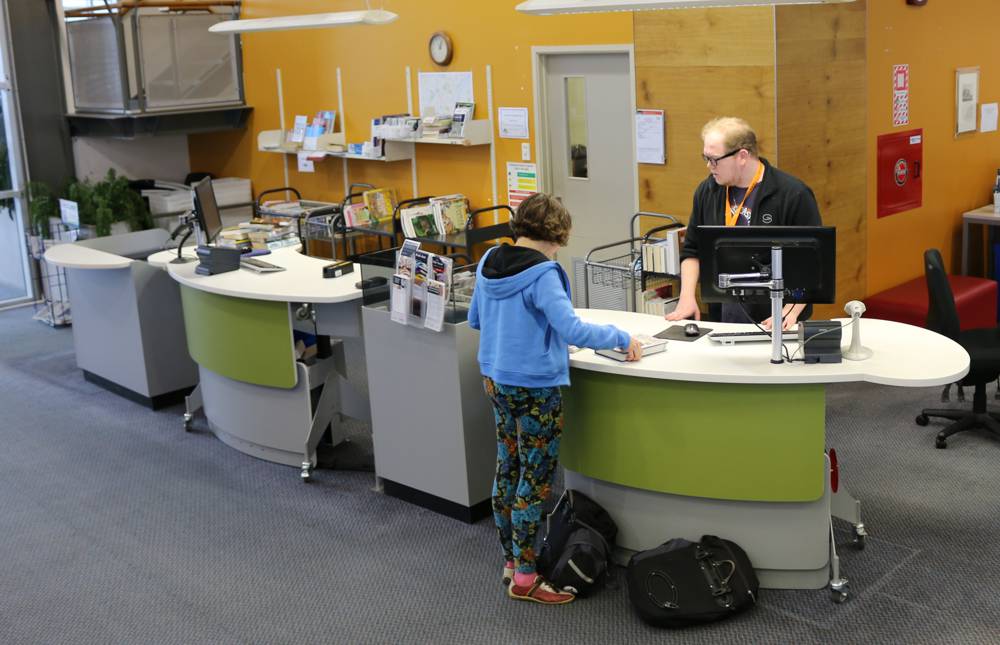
point(784, 540)
point(467, 514)
point(152, 402)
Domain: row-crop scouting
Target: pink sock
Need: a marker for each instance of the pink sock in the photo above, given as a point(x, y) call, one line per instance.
point(509, 564)
point(524, 579)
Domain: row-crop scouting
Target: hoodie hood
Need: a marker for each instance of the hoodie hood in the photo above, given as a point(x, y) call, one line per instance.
point(508, 270)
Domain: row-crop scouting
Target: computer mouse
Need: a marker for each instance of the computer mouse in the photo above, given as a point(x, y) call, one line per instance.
point(691, 329)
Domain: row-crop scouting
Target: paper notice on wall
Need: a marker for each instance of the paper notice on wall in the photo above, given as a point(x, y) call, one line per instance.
point(649, 141)
point(513, 123)
point(900, 95)
point(988, 117)
point(522, 182)
point(305, 163)
point(440, 91)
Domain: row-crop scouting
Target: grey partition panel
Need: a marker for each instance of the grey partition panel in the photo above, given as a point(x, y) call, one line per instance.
point(128, 329)
point(432, 425)
point(138, 244)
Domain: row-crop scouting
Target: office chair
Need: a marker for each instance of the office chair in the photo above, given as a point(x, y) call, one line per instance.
point(983, 346)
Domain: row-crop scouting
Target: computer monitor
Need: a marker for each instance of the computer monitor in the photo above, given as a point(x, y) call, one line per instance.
point(206, 210)
point(809, 261)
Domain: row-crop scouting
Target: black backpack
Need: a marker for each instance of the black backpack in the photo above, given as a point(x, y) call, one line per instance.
point(681, 583)
point(579, 537)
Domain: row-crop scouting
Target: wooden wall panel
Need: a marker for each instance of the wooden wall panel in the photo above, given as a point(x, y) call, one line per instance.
point(821, 114)
point(695, 65)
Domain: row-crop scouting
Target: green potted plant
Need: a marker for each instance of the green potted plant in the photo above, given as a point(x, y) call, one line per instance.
point(107, 202)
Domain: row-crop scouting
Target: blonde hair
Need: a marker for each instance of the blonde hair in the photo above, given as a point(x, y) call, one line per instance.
point(736, 134)
point(542, 217)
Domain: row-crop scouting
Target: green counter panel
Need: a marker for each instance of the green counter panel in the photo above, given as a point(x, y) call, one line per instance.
point(715, 440)
point(245, 340)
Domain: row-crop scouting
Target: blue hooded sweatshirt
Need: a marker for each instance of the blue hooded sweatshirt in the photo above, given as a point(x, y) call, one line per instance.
point(526, 321)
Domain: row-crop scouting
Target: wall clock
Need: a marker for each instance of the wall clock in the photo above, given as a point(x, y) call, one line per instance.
point(440, 48)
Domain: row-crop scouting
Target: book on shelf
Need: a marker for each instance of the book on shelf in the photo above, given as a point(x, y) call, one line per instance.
point(663, 255)
point(451, 211)
point(419, 221)
point(381, 203)
point(650, 346)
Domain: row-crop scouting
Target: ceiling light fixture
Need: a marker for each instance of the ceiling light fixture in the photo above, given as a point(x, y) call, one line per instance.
point(550, 7)
point(307, 21)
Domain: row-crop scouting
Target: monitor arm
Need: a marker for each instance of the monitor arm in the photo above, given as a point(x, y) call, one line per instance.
point(771, 279)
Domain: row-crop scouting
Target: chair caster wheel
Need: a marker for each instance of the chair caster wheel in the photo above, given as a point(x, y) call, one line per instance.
point(838, 597)
point(940, 443)
point(922, 419)
point(306, 473)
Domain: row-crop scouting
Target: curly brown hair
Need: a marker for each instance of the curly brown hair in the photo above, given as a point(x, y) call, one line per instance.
point(542, 217)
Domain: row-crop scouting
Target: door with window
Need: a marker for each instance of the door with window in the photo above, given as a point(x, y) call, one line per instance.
point(15, 274)
point(588, 147)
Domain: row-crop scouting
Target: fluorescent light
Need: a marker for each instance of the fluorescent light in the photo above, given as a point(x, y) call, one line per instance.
point(549, 7)
point(307, 21)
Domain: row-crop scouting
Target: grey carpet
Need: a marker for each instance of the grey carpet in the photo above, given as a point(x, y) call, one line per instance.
point(117, 527)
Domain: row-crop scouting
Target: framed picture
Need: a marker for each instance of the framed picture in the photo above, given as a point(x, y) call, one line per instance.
point(966, 99)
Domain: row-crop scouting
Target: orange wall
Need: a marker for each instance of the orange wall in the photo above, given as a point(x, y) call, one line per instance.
point(957, 173)
point(372, 60)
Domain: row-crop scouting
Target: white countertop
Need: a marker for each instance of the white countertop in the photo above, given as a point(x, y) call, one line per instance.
point(75, 256)
point(904, 355)
point(302, 281)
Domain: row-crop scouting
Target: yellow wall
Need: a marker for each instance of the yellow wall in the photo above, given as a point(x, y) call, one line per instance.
point(957, 173)
point(372, 60)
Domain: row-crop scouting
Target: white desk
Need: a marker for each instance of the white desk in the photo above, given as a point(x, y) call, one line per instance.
point(712, 439)
point(255, 395)
point(985, 216)
point(127, 327)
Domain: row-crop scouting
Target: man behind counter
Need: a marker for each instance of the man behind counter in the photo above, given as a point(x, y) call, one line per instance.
point(742, 190)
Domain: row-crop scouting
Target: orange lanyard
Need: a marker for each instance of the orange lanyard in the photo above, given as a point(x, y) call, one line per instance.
point(733, 216)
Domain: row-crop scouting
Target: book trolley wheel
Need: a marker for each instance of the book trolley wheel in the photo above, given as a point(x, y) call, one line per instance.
point(188, 419)
point(306, 473)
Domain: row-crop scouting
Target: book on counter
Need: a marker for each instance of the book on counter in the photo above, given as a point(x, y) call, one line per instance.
point(650, 346)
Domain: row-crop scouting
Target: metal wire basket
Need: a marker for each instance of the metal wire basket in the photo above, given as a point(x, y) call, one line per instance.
point(52, 307)
point(612, 276)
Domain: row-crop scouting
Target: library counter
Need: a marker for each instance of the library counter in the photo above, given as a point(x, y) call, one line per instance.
point(127, 329)
point(255, 394)
point(713, 439)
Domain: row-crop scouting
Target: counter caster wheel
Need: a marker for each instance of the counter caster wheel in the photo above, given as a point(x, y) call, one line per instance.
point(922, 419)
point(859, 536)
point(838, 591)
point(941, 443)
point(306, 473)
point(188, 418)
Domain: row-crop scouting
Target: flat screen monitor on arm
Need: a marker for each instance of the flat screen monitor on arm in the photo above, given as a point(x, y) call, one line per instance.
point(809, 255)
point(207, 210)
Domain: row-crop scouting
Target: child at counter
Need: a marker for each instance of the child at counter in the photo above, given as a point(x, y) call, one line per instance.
point(521, 307)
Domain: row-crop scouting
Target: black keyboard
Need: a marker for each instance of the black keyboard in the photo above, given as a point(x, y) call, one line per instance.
point(259, 266)
point(730, 337)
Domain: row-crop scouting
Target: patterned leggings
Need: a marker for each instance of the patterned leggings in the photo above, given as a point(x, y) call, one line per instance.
point(529, 424)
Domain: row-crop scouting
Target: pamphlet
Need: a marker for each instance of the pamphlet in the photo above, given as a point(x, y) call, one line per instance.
point(398, 298)
point(435, 305)
point(299, 130)
point(418, 286)
point(404, 261)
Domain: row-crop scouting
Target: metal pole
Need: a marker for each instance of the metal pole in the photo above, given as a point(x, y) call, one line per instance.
point(777, 293)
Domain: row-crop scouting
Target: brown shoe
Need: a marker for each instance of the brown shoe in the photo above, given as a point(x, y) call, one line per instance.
point(539, 591)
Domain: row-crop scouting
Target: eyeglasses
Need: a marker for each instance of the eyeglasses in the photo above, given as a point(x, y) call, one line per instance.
point(714, 161)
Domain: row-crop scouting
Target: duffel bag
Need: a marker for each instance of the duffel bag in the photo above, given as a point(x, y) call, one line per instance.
point(681, 583)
